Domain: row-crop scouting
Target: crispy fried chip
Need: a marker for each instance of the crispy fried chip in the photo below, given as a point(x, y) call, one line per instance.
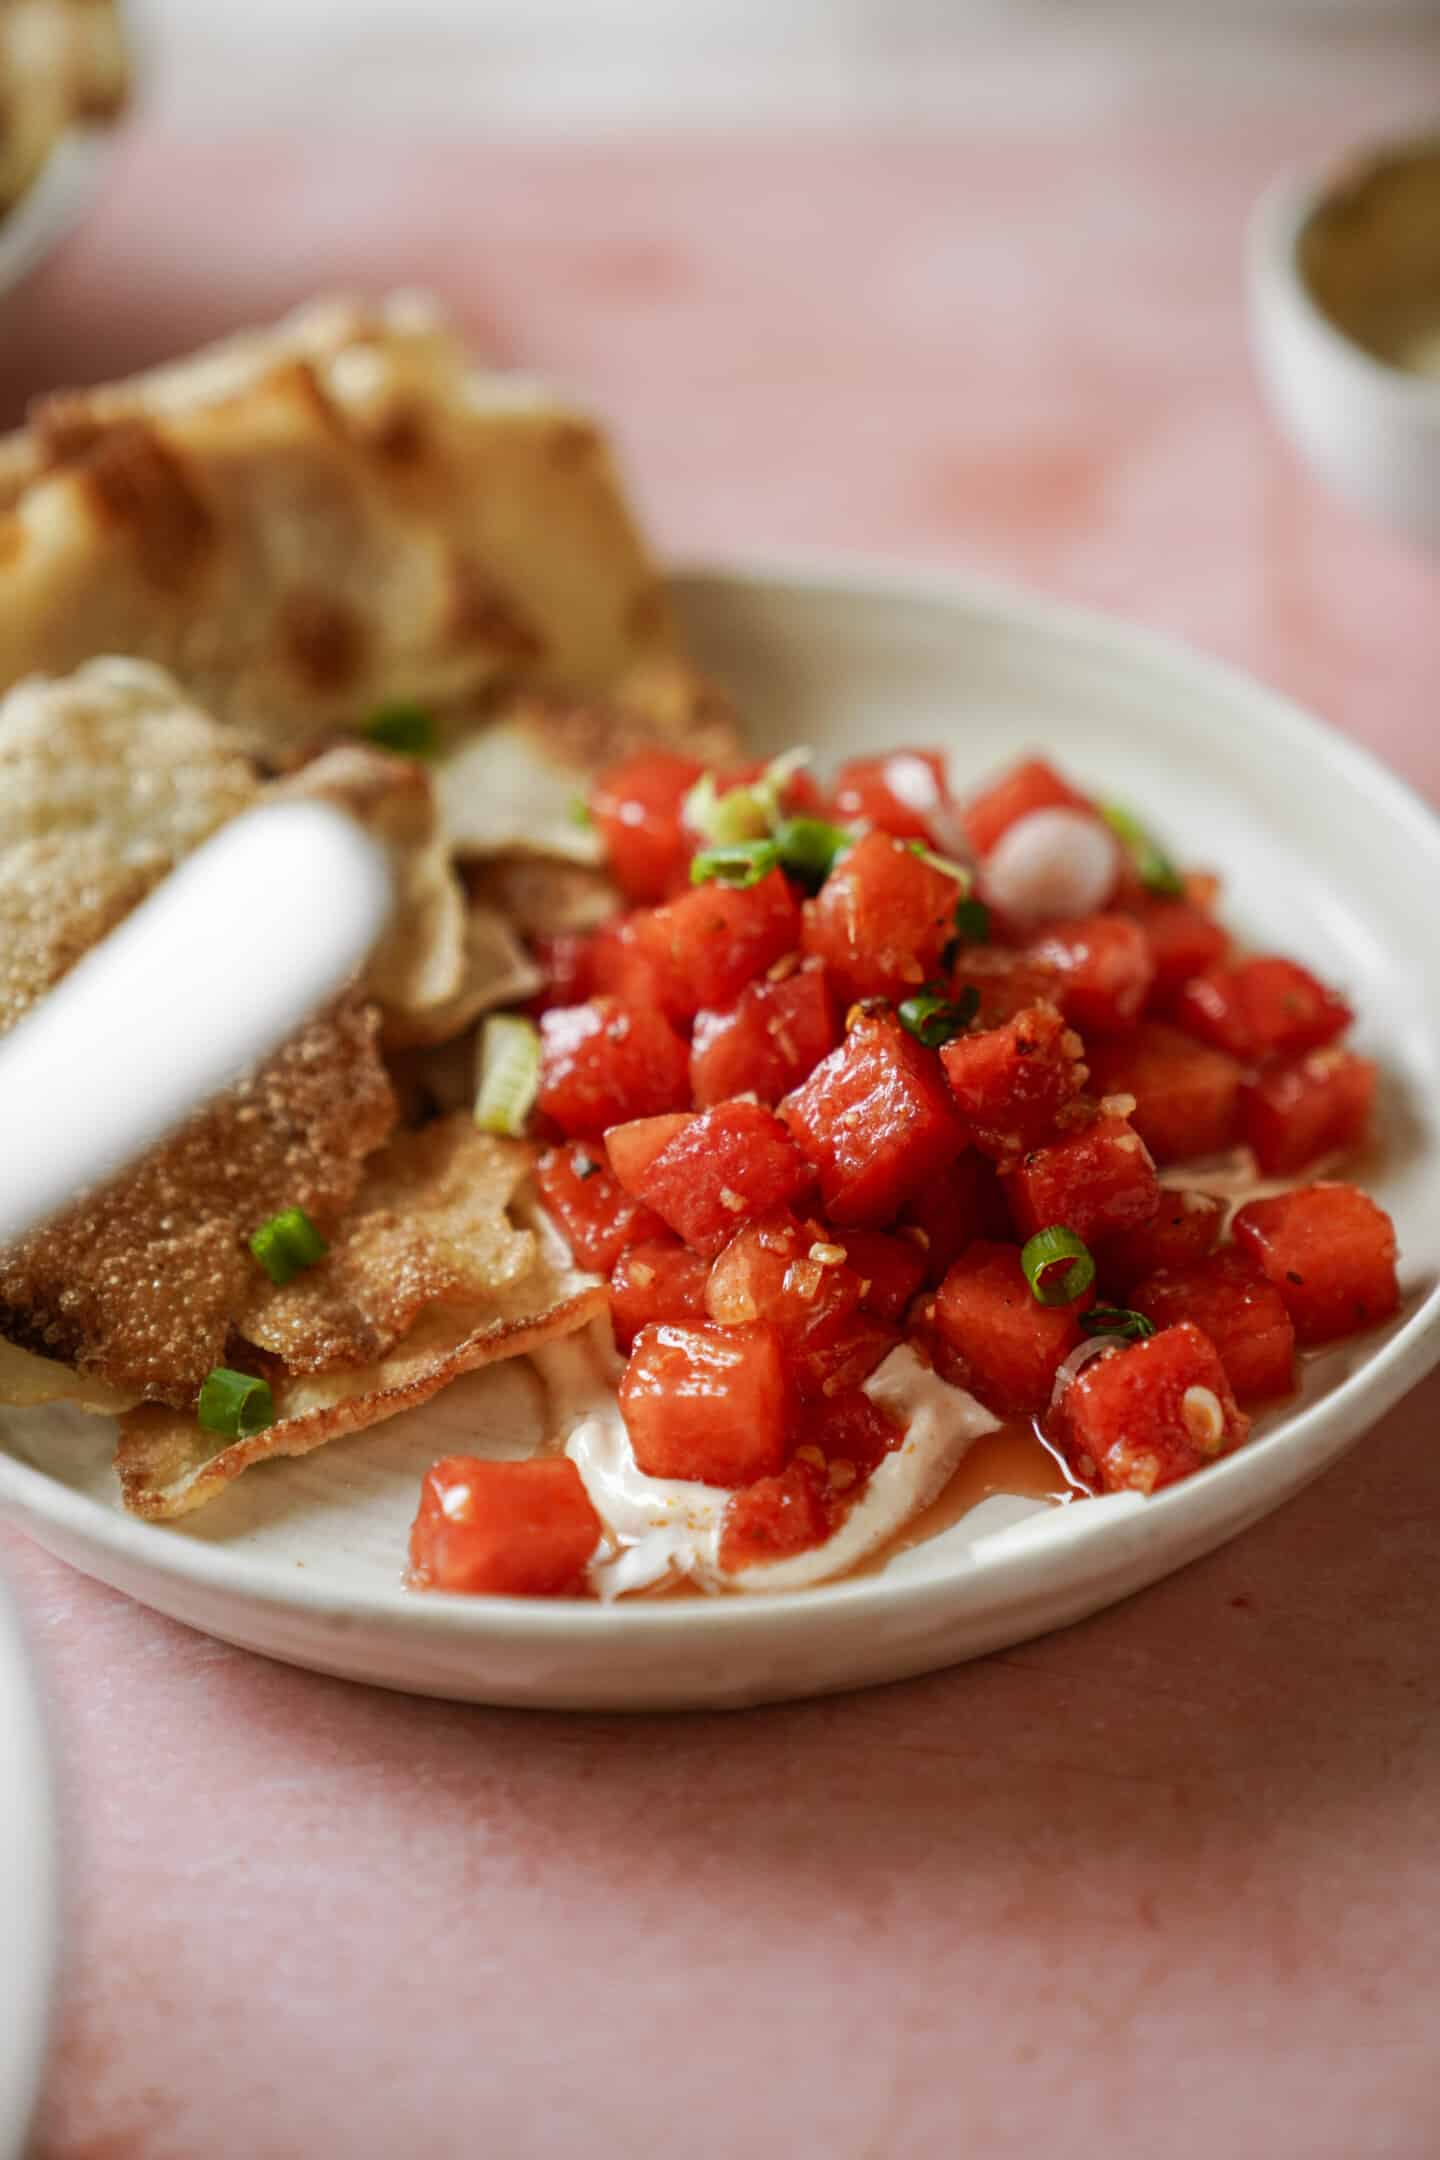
point(309, 522)
point(106, 781)
point(137, 1284)
point(27, 1381)
point(496, 971)
point(541, 898)
point(419, 968)
point(510, 778)
point(168, 1465)
point(61, 61)
point(427, 1227)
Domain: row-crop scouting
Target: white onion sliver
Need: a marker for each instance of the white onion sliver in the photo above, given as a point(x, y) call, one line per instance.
point(1049, 864)
point(1093, 1346)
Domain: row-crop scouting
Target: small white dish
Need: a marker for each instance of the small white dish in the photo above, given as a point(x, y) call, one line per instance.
point(27, 1889)
point(1324, 853)
point(1342, 296)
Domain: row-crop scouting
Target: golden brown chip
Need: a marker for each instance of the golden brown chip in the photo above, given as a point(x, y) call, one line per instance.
point(169, 1465)
point(542, 898)
point(137, 1283)
point(418, 970)
point(27, 1382)
point(497, 971)
point(309, 523)
point(427, 1227)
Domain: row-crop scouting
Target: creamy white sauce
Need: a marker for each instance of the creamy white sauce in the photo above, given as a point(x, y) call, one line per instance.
point(661, 1529)
point(1051, 863)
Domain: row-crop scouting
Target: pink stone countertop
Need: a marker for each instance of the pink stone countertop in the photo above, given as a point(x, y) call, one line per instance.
point(1168, 1881)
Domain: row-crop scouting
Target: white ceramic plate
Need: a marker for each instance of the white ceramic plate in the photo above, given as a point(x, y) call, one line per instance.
point(27, 1890)
point(1324, 854)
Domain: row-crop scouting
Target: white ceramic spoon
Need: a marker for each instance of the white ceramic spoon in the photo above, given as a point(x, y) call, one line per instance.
point(213, 971)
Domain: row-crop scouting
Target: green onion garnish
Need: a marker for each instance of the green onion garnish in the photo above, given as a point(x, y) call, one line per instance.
point(407, 729)
point(942, 863)
point(579, 813)
point(741, 813)
point(235, 1404)
point(1045, 1254)
point(288, 1243)
point(1116, 1320)
point(972, 920)
point(1153, 867)
point(509, 1074)
point(810, 849)
point(934, 1020)
point(742, 864)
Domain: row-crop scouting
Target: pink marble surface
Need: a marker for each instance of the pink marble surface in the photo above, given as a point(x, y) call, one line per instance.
point(1166, 1881)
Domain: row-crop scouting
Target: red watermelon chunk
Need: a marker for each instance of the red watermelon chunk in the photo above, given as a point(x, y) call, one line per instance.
point(659, 1280)
point(1261, 1008)
point(1095, 1181)
point(1293, 1113)
point(1242, 1312)
point(714, 1172)
point(1004, 1345)
point(1330, 1252)
point(604, 1062)
point(1187, 1096)
point(875, 1119)
point(767, 1042)
point(1147, 1416)
point(506, 1529)
point(881, 920)
point(708, 1403)
point(1011, 1082)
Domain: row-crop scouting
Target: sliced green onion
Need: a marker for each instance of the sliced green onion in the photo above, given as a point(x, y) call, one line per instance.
point(934, 1020)
point(407, 729)
point(509, 1074)
point(741, 813)
point(742, 864)
point(579, 813)
point(972, 921)
point(942, 863)
point(1153, 867)
point(1046, 1254)
point(235, 1404)
point(1116, 1320)
point(288, 1243)
point(810, 848)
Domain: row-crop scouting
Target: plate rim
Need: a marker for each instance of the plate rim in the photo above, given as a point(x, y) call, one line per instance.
point(1318, 1432)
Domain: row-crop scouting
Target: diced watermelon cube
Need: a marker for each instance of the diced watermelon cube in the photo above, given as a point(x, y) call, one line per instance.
point(1266, 1007)
point(1011, 1082)
point(1187, 1096)
point(790, 1275)
point(1330, 1252)
point(881, 920)
point(955, 1204)
point(1104, 966)
point(1007, 982)
point(506, 1529)
point(767, 1042)
point(876, 1119)
point(599, 1218)
point(716, 1171)
point(1095, 1181)
point(891, 1270)
point(1242, 1312)
point(1184, 1228)
point(1033, 785)
point(636, 807)
point(604, 1062)
point(567, 963)
point(1149, 1415)
point(702, 949)
point(901, 794)
point(1183, 941)
point(632, 1148)
point(1293, 1113)
point(658, 1280)
point(775, 1518)
point(708, 1403)
point(852, 1433)
point(1005, 1346)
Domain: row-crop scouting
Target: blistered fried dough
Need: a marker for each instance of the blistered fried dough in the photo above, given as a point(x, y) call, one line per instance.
point(540, 897)
point(496, 971)
point(137, 1284)
point(420, 963)
point(304, 525)
point(164, 1460)
point(509, 778)
point(427, 1227)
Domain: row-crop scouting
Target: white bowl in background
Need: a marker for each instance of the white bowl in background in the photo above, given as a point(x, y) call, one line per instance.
point(1323, 852)
point(1369, 424)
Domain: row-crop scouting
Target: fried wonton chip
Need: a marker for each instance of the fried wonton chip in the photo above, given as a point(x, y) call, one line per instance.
point(61, 62)
point(27, 1382)
point(542, 898)
point(513, 780)
point(137, 1284)
point(420, 965)
point(427, 1227)
point(168, 1465)
point(496, 971)
point(307, 523)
